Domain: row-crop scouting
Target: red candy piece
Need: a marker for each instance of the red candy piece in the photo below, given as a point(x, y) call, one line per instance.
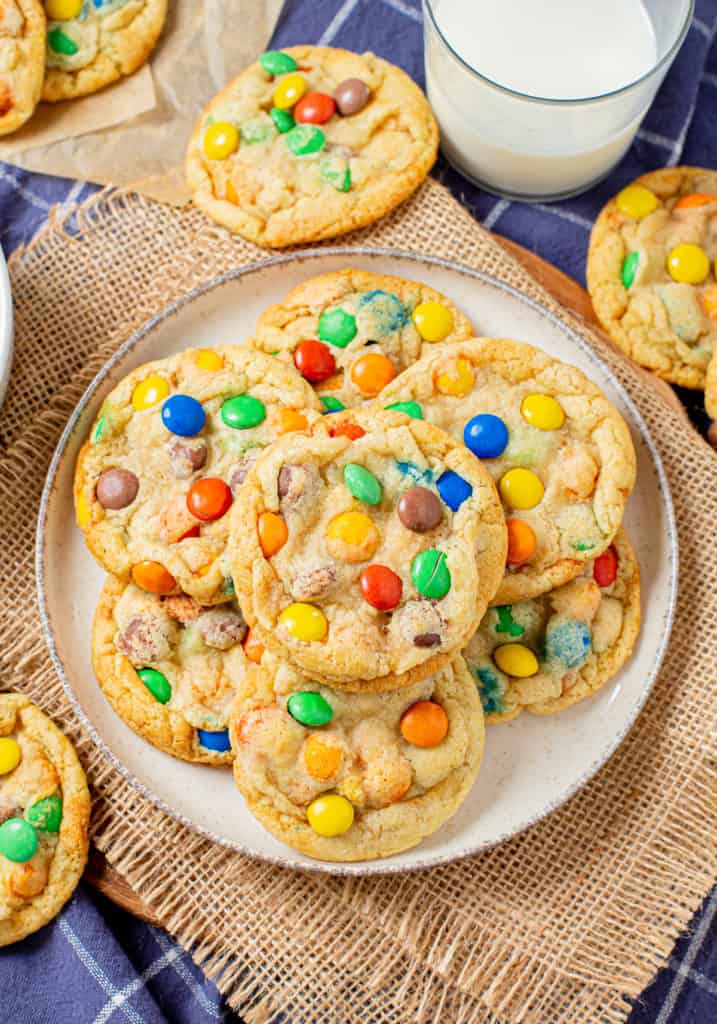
point(351, 430)
point(314, 361)
point(209, 499)
point(381, 588)
point(315, 108)
point(605, 568)
point(193, 531)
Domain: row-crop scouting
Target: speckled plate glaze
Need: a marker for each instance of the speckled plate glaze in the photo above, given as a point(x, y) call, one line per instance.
point(532, 765)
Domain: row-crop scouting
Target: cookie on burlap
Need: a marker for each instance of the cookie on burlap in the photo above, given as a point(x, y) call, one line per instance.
point(168, 453)
point(559, 451)
point(366, 552)
point(45, 812)
point(350, 777)
point(651, 271)
point(22, 61)
point(309, 143)
point(546, 654)
point(171, 668)
point(92, 43)
point(351, 331)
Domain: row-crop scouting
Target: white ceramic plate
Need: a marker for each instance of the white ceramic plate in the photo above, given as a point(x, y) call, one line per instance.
point(532, 765)
point(6, 327)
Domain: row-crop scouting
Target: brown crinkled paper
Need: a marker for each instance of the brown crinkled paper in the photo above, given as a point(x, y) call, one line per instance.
point(561, 924)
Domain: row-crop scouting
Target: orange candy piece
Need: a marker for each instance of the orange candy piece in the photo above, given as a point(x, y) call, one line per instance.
point(290, 420)
point(521, 542)
point(695, 199)
point(372, 372)
point(424, 724)
point(273, 533)
point(209, 499)
point(253, 649)
point(153, 577)
point(709, 302)
point(351, 430)
point(321, 760)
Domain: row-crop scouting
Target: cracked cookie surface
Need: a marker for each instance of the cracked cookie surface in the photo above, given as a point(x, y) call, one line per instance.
point(22, 61)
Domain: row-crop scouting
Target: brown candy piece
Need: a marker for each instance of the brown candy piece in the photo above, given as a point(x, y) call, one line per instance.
point(187, 455)
point(145, 638)
point(314, 583)
point(116, 488)
point(419, 509)
point(351, 95)
point(221, 628)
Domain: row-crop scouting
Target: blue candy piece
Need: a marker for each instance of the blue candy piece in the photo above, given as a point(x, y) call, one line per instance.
point(567, 641)
point(218, 741)
point(388, 313)
point(453, 489)
point(183, 415)
point(490, 690)
point(486, 436)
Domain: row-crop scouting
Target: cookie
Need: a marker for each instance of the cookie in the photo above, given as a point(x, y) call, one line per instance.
point(367, 552)
point(546, 654)
point(168, 453)
point(350, 332)
point(711, 386)
point(351, 777)
point(44, 818)
point(171, 668)
point(309, 143)
point(558, 450)
point(651, 272)
point(22, 61)
point(92, 43)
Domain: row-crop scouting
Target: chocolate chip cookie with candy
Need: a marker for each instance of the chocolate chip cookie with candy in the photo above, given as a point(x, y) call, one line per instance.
point(22, 61)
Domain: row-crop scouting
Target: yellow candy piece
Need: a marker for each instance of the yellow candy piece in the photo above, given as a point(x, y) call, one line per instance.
point(521, 488)
point(304, 621)
point(63, 10)
point(330, 815)
point(457, 382)
point(543, 412)
point(149, 392)
point(321, 760)
point(350, 527)
point(516, 660)
point(221, 139)
point(709, 300)
point(10, 754)
point(83, 510)
point(688, 264)
point(433, 321)
point(290, 420)
point(289, 90)
point(208, 360)
point(636, 201)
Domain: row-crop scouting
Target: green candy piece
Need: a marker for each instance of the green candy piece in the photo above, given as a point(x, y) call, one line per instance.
point(337, 327)
point(276, 62)
point(258, 129)
point(229, 587)
point(362, 483)
point(310, 709)
point(58, 41)
point(629, 268)
point(506, 622)
point(243, 412)
point(332, 404)
point(45, 814)
point(304, 139)
point(430, 574)
point(336, 173)
point(156, 683)
point(18, 840)
point(583, 545)
point(99, 429)
point(283, 120)
point(411, 409)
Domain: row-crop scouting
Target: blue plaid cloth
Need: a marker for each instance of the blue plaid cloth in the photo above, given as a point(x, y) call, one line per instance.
point(96, 963)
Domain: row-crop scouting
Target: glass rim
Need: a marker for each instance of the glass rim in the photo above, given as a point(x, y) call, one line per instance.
point(666, 59)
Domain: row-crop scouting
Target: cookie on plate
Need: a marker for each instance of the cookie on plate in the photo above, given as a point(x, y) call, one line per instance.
point(44, 818)
point(546, 654)
point(711, 386)
point(651, 271)
point(351, 331)
point(92, 43)
point(22, 61)
point(558, 450)
point(166, 456)
point(366, 552)
point(171, 667)
point(309, 143)
point(350, 777)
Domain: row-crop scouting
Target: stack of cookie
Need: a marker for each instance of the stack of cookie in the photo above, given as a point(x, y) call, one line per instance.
point(332, 544)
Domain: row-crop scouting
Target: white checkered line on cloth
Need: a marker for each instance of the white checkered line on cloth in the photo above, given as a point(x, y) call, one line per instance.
point(95, 970)
point(194, 987)
point(700, 933)
point(121, 996)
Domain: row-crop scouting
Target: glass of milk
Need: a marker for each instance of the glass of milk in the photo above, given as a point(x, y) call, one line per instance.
point(539, 99)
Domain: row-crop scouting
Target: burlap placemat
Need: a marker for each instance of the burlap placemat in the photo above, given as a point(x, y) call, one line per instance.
point(559, 925)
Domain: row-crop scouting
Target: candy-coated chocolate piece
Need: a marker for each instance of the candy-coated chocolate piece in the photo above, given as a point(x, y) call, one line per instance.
point(304, 139)
point(153, 577)
point(543, 412)
point(276, 62)
point(314, 361)
point(116, 488)
point(321, 759)
point(336, 171)
point(521, 488)
point(453, 489)
point(688, 263)
point(516, 660)
point(337, 327)
point(99, 429)
point(63, 10)
point(386, 311)
point(506, 623)
point(332, 404)
point(521, 542)
point(289, 91)
point(221, 139)
point(290, 420)
point(419, 509)
point(486, 436)
point(253, 648)
point(149, 392)
point(433, 320)
point(567, 641)
point(424, 724)
point(629, 268)
point(46, 814)
point(157, 684)
point(695, 199)
point(243, 411)
point(351, 430)
point(709, 302)
point(60, 42)
point(256, 130)
point(636, 201)
point(315, 108)
point(411, 409)
point(209, 360)
point(216, 741)
point(183, 415)
point(456, 381)
point(351, 96)
point(10, 754)
point(283, 120)
point(380, 587)
point(362, 484)
point(330, 815)
point(372, 372)
point(272, 532)
point(352, 537)
point(605, 567)
point(310, 709)
point(18, 840)
point(430, 574)
point(209, 499)
point(304, 621)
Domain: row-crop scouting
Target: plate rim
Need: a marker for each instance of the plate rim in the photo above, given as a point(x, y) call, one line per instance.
point(256, 267)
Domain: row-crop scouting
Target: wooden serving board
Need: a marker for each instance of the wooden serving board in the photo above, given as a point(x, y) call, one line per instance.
point(100, 874)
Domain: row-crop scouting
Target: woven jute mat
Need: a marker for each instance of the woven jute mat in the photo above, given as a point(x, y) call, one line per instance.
point(561, 925)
